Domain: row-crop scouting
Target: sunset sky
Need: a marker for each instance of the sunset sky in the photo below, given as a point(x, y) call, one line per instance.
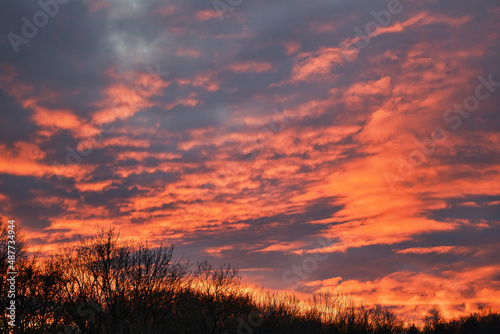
point(312, 144)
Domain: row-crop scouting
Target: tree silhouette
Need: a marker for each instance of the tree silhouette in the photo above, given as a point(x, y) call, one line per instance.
point(106, 285)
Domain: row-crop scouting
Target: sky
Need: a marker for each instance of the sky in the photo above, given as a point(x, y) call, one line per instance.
point(315, 145)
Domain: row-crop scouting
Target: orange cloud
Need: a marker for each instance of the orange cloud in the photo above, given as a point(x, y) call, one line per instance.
point(186, 52)
point(250, 66)
point(413, 294)
point(437, 250)
point(205, 15)
point(320, 64)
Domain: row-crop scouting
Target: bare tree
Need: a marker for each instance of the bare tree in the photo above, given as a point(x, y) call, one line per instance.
point(222, 300)
point(114, 286)
point(433, 321)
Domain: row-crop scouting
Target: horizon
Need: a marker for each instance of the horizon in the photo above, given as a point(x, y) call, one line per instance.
point(315, 146)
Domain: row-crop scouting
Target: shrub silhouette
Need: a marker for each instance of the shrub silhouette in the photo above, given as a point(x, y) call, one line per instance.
point(107, 285)
point(125, 287)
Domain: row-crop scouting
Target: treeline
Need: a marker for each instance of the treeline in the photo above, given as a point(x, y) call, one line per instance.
point(107, 285)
